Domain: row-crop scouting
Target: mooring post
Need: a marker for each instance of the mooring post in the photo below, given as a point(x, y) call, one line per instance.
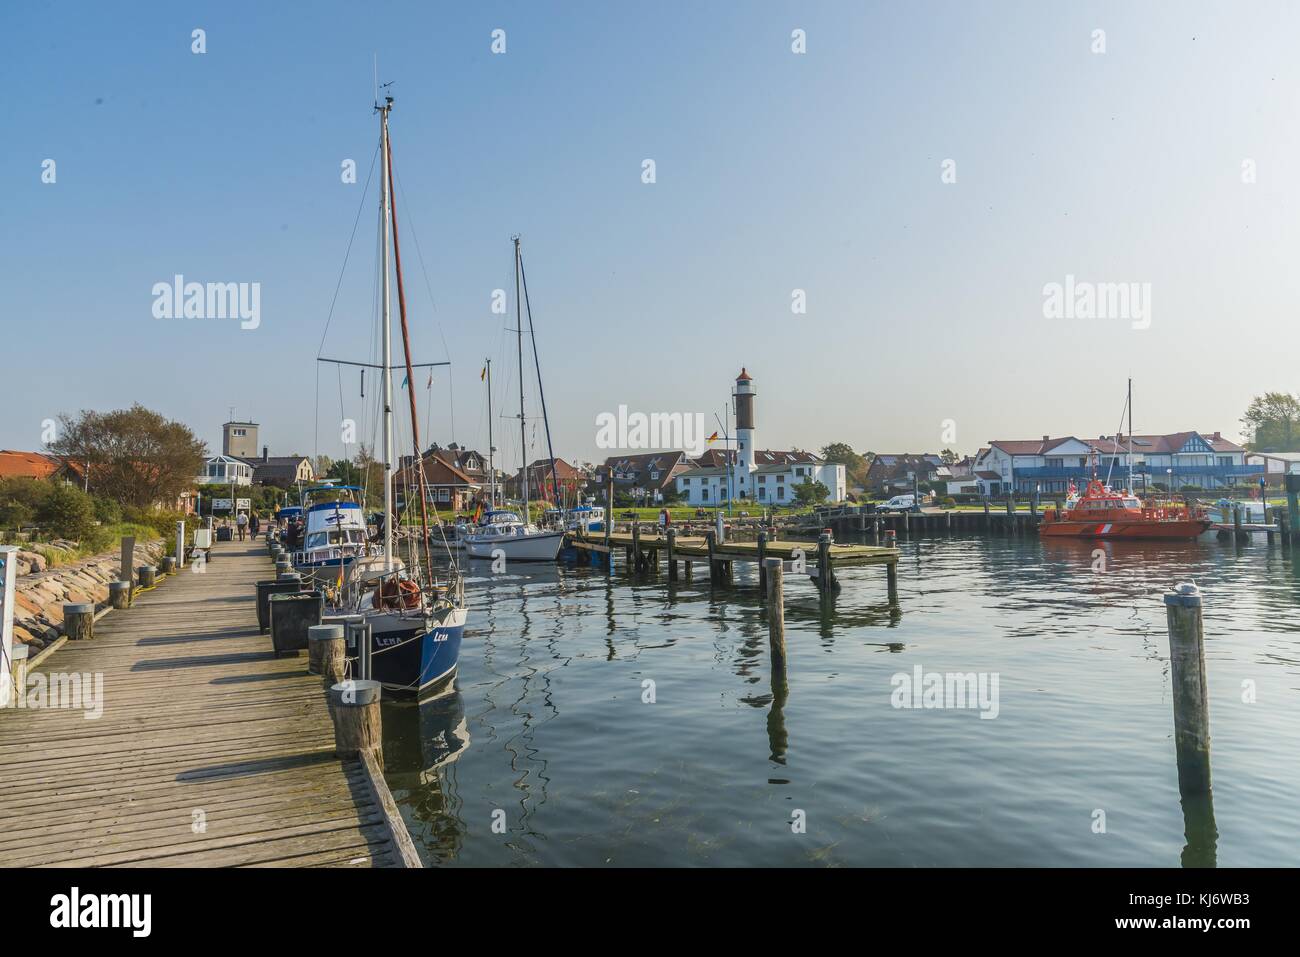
point(636, 544)
point(825, 574)
point(710, 539)
point(354, 706)
point(119, 594)
point(672, 554)
point(1292, 484)
point(1191, 700)
point(168, 565)
point(891, 581)
point(875, 531)
point(147, 576)
point(775, 589)
point(79, 621)
point(947, 521)
point(326, 652)
point(1237, 533)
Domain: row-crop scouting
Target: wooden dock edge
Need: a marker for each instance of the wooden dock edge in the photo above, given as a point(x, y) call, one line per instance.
point(393, 823)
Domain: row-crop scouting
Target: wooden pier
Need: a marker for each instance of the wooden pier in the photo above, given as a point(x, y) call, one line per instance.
point(210, 750)
point(819, 559)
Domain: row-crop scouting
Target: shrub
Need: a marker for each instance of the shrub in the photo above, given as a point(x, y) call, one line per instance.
point(107, 512)
point(66, 511)
point(948, 502)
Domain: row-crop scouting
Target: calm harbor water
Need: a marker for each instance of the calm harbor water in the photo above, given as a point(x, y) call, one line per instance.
point(547, 721)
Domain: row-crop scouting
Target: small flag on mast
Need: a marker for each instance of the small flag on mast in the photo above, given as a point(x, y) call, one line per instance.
point(482, 375)
point(713, 437)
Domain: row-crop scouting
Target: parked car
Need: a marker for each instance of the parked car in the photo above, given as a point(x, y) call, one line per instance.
point(899, 503)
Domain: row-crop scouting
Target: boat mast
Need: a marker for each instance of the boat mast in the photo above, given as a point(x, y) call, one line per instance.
point(492, 472)
point(417, 464)
point(1132, 491)
point(519, 339)
point(541, 393)
point(385, 213)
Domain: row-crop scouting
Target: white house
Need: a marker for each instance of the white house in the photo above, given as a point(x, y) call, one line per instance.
point(225, 470)
point(750, 474)
point(1051, 464)
point(1275, 464)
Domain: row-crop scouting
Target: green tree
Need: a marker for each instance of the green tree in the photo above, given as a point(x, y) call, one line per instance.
point(948, 457)
point(843, 453)
point(132, 456)
point(67, 511)
point(1273, 423)
point(810, 492)
point(20, 499)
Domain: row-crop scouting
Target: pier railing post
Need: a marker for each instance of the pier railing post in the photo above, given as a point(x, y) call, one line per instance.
point(775, 579)
point(1191, 699)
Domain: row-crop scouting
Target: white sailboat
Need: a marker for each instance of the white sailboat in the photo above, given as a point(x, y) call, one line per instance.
point(503, 533)
point(415, 621)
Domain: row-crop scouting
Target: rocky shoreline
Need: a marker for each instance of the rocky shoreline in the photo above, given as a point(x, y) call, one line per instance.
point(42, 592)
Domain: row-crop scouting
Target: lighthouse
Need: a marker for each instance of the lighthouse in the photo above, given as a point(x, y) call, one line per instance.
point(744, 396)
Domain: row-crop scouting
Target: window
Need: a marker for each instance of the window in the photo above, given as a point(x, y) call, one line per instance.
point(704, 494)
point(780, 479)
point(780, 493)
point(686, 481)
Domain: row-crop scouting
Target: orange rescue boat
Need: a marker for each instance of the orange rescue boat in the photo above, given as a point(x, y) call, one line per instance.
point(1104, 513)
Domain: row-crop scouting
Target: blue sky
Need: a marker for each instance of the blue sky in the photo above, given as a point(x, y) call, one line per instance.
point(775, 172)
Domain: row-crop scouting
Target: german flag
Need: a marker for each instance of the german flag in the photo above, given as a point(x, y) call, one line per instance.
point(713, 438)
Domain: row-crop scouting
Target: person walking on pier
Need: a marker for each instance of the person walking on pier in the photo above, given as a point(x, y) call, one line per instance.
point(241, 521)
point(254, 525)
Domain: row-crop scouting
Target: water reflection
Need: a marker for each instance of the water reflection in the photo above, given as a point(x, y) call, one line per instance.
point(421, 742)
point(551, 685)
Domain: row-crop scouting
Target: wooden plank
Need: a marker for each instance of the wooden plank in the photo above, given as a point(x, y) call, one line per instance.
point(198, 715)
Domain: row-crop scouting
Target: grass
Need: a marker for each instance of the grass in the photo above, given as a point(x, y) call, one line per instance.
point(102, 538)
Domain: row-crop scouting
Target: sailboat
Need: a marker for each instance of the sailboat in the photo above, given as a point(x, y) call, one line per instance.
point(503, 532)
point(415, 622)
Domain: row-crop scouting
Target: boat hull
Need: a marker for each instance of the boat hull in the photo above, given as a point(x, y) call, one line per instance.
point(1184, 530)
point(410, 657)
point(522, 548)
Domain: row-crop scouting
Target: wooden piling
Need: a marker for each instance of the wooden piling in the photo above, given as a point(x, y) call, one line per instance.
point(636, 545)
point(1191, 700)
point(326, 652)
point(1237, 533)
point(710, 540)
point(119, 594)
point(354, 709)
point(672, 558)
point(147, 576)
point(762, 563)
point(79, 621)
point(891, 578)
point(775, 588)
point(825, 574)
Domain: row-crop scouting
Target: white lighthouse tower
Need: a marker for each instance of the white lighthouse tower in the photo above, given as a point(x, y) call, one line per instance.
point(745, 447)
